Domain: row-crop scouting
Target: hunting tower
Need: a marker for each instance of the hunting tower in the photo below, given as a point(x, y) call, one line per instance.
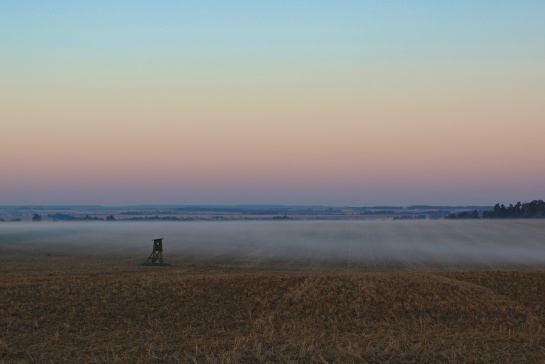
point(156, 256)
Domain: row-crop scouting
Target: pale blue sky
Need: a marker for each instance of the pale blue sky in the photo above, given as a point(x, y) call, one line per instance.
point(138, 32)
point(306, 102)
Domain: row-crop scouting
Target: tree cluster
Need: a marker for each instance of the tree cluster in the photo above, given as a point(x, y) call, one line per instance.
point(526, 210)
point(532, 209)
point(473, 214)
point(66, 217)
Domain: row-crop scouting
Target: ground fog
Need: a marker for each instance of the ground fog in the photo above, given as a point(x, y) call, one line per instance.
point(408, 244)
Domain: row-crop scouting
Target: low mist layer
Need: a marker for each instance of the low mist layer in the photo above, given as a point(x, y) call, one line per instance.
point(407, 244)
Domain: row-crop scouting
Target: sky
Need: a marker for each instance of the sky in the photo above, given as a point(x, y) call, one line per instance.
point(272, 102)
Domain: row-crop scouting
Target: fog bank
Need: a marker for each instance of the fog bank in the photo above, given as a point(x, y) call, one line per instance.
point(406, 243)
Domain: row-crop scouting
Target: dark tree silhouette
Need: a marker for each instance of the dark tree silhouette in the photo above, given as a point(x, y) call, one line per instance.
point(473, 214)
point(526, 210)
point(534, 209)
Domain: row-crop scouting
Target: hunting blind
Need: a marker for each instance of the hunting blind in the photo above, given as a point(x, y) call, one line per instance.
point(156, 256)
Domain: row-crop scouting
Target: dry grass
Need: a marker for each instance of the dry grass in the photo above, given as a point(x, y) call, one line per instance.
point(206, 315)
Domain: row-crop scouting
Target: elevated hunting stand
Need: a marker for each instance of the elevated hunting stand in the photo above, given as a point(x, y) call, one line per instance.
point(156, 256)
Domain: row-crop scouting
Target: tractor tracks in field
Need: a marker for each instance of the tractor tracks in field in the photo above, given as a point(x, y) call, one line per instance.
point(500, 291)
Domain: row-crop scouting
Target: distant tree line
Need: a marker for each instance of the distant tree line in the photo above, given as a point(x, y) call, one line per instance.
point(145, 212)
point(472, 214)
point(526, 210)
point(378, 212)
point(532, 209)
point(66, 217)
point(159, 218)
point(411, 217)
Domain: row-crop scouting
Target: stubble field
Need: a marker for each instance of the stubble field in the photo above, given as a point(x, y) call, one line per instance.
point(73, 295)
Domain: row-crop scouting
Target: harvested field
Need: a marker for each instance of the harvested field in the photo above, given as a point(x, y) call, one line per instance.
point(96, 304)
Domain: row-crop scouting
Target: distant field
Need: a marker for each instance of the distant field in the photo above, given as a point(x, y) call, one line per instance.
point(400, 292)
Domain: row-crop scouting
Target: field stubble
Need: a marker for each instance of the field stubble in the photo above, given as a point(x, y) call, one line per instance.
point(170, 315)
point(99, 305)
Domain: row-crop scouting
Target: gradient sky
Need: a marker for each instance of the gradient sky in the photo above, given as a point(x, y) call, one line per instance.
point(278, 102)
